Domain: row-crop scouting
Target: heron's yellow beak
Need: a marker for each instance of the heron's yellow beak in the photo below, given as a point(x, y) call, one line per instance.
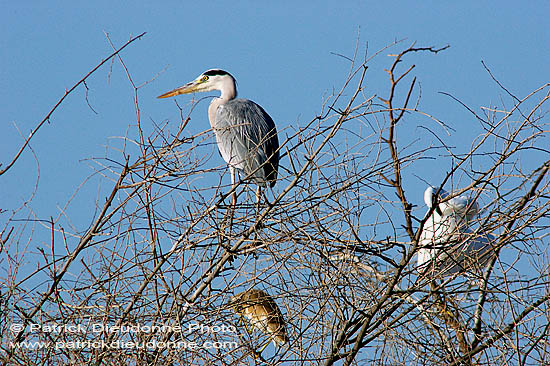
point(186, 89)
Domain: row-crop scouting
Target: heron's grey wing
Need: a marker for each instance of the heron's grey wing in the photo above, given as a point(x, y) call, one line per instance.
point(466, 251)
point(463, 206)
point(247, 139)
point(478, 249)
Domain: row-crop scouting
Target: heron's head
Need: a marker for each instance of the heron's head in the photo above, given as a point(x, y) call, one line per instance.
point(430, 195)
point(460, 205)
point(430, 198)
point(235, 303)
point(209, 80)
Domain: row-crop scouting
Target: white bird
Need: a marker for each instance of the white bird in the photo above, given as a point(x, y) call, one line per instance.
point(461, 207)
point(447, 244)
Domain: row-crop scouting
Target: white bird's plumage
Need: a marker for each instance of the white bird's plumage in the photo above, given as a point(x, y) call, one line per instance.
point(460, 207)
point(447, 244)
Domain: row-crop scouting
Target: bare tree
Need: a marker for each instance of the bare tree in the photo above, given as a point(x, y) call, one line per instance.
point(334, 245)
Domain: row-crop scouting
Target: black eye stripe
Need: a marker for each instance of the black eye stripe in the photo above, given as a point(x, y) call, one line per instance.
point(215, 72)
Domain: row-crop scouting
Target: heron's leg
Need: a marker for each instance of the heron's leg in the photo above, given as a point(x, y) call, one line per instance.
point(233, 185)
point(230, 212)
point(441, 301)
point(257, 354)
point(258, 198)
point(258, 209)
point(245, 325)
point(264, 346)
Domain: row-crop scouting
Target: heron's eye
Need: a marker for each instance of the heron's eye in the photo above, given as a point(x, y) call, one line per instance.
point(205, 78)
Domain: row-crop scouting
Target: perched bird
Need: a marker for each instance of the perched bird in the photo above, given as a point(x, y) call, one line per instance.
point(461, 207)
point(263, 314)
point(245, 133)
point(447, 244)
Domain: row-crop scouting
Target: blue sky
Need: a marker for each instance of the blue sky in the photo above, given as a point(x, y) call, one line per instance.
point(282, 54)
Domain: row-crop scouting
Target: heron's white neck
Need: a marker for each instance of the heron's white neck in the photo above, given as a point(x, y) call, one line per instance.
point(227, 88)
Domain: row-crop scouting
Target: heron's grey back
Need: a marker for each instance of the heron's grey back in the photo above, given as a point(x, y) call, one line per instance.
point(247, 139)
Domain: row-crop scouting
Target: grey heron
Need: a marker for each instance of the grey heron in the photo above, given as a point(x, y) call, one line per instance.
point(245, 133)
point(263, 314)
point(447, 244)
